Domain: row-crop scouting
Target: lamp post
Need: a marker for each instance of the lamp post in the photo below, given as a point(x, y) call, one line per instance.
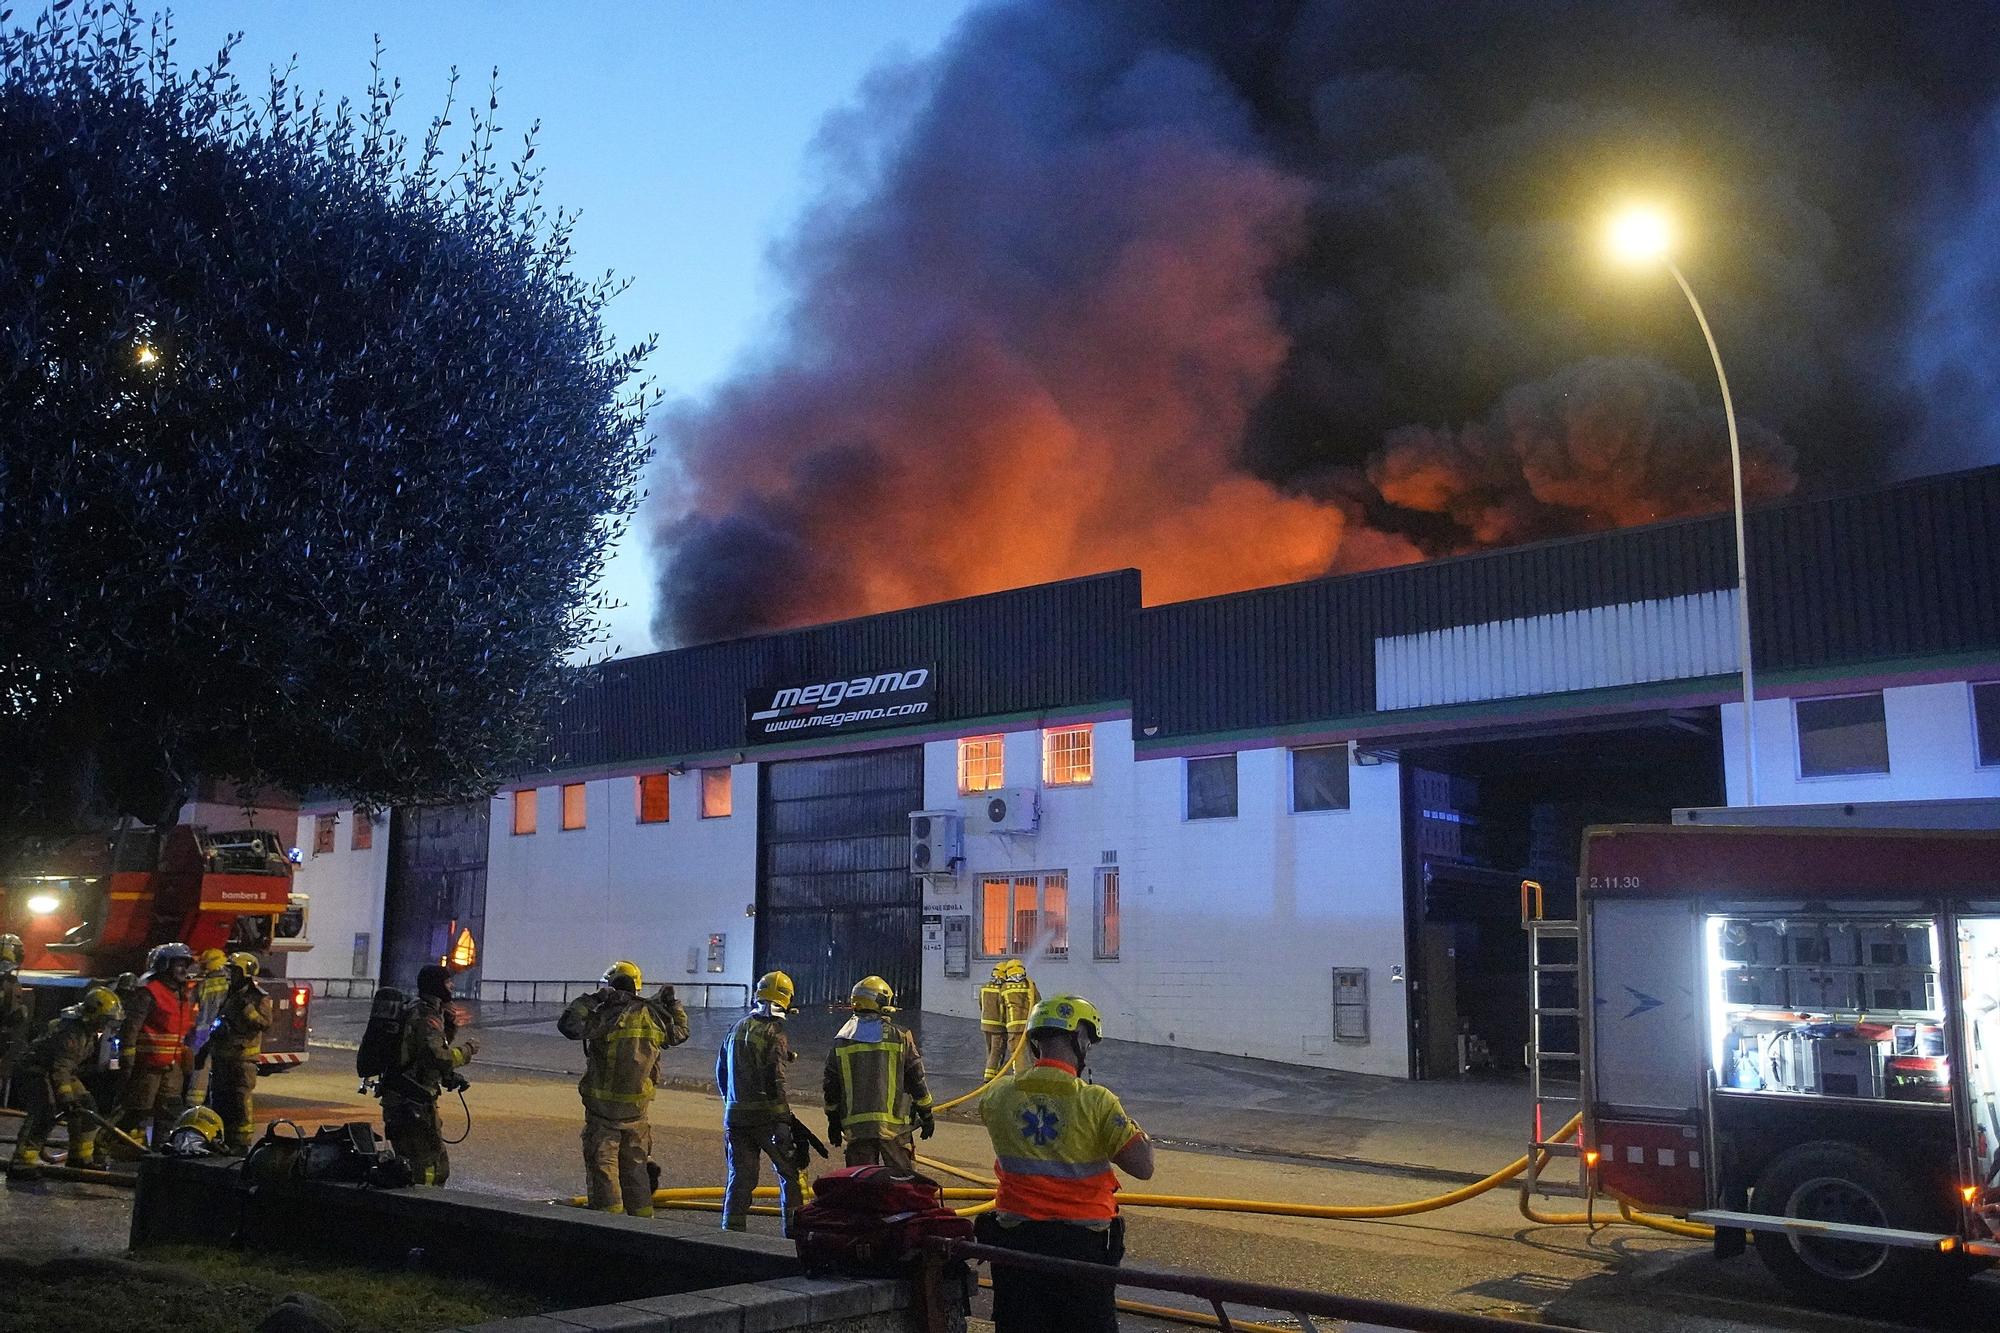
point(1640, 235)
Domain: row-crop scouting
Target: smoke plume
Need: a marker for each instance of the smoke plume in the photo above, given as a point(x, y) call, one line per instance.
point(1249, 292)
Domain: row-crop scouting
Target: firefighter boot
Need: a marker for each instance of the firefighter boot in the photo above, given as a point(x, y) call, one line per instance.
point(26, 1164)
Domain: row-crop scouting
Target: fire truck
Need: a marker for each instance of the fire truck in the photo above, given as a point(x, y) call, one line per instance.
point(91, 907)
point(1792, 1035)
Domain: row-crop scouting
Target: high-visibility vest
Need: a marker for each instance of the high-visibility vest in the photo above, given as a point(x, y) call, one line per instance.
point(163, 1034)
point(750, 1072)
point(992, 1009)
point(1053, 1140)
point(874, 1075)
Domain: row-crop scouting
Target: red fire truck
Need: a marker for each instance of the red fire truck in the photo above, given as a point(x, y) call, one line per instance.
point(1793, 1034)
point(92, 906)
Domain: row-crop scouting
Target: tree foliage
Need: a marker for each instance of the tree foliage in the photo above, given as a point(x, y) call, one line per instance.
point(313, 443)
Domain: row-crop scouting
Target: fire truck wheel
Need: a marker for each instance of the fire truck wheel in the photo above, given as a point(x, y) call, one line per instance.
point(1830, 1181)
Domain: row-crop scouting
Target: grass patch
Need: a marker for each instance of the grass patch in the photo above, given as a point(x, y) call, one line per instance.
point(197, 1289)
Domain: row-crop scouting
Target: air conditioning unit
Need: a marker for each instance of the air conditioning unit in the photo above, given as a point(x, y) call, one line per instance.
point(936, 843)
point(1014, 810)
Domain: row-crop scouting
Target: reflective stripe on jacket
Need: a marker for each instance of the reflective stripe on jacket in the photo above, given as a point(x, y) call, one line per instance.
point(1053, 1140)
point(874, 1075)
point(244, 1018)
point(750, 1071)
point(992, 1009)
point(622, 1040)
point(60, 1054)
point(161, 1040)
point(1017, 1000)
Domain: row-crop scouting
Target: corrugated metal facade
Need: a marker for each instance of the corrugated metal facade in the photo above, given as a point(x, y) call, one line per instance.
point(1052, 646)
point(1909, 571)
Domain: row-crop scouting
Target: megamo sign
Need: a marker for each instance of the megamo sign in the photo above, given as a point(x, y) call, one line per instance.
point(864, 703)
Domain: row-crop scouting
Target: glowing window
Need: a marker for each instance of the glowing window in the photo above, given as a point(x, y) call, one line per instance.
point(524, 811)
point(1066, 756)
point(1022, 914)
point(363, 836)
point(652, 798)
point(716, 797)
point(1107, 913)
point(982, 764)
point(323, 834)
point(573, 805)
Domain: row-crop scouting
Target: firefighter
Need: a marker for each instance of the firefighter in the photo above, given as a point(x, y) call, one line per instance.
point(210, 985)
point(153, 1043)
point(1055, 1141)
point(993, 1019)
point(623, 1035)
point(1018, 998)
point(756, 1115)
point(14, 1012)
point(426, 1063)
point(51, 1077)
point(231, 1051)
point(874, 1083)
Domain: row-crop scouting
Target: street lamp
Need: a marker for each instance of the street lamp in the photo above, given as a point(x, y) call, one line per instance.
point(1643, 236)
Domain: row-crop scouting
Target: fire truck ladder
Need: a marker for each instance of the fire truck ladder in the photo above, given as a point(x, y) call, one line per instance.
point(1555, 1037)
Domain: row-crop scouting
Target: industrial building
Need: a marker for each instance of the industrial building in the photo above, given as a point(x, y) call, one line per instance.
point(1288, 823)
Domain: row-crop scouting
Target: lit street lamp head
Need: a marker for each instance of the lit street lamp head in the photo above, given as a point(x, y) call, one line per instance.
point(1639, 235)
point(146, 356)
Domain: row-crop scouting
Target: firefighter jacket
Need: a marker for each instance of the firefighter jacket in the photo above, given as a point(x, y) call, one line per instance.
point(992, 1009)
point(874, 1075)
point(63, 1055)
point(1053, 1140)
point(750, 1072)
point(426, 1055)
point(13, 1015)
point(623, 1036)
point(158, 1022)
point(241, 1021)
point(210, 989)
point(1017, 1000)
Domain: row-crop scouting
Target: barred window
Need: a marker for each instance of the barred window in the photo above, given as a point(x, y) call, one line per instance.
point(1066, 756)
point(524, 811)
point(652, 796)
point(573, 805)
point(1022, 914)
point(1107, 913)
point(982, 764)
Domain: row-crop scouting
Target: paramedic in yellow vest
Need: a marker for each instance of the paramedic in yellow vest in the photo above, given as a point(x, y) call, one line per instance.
point(623, 1035)
point(235, 1040)
point(1018, 998)
point(756, 1115)
point(993, 1018)
point(1055, 1141)
point(211, 983)
point(874, 1083)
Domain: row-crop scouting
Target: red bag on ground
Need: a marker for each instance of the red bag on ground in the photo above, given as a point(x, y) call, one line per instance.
point(869, 1219)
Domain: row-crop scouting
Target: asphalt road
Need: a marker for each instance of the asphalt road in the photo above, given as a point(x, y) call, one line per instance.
point(1479, 1256)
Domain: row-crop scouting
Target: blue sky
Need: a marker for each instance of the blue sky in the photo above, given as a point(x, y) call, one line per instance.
point(680, 130)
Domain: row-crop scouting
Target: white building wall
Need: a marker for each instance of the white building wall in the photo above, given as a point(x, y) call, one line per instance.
point(1933, 752)
point(561, 904)
point(346, 895)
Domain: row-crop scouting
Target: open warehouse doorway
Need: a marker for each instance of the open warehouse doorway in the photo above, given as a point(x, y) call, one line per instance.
point(1480, 814)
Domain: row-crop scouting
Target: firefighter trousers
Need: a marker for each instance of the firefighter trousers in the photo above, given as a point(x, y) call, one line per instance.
point(748, 1145)
point(1033, 1303)
point(892, 1153)
point(150, 1100)
point(39, 1102)
point(417, 1135)
point(615, 1153)
point(996, 1052)
point(232, 1092)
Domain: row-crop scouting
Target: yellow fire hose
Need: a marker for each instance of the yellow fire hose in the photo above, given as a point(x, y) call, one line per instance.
point(981, 1090)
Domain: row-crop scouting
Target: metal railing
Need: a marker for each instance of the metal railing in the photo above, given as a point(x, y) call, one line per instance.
point(1219, 1292)
point(693, 994)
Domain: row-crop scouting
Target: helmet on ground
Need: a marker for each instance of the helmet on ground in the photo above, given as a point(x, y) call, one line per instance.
point(624, 975)
point(872, 995)
point(100, 1006)
point(1067, 1013)
point(212, 960)
point(776, 990)
point(244, 963)
point(11, 949)
point(199, 1127)
point(164, 956)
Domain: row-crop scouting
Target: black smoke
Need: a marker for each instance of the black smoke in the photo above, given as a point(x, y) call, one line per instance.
point(1241, 292)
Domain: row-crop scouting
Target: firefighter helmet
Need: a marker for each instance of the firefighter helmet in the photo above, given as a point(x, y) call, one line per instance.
point(1067, 1013)
point(164, 956)
point(775, 989)
point(100, 1006)
point(1000, 970)
point(624, 975)
point(198, 1130)
point(211, 960)
point(12, 950)
point(1013, 969)
point(872, 995)
point(244, 963)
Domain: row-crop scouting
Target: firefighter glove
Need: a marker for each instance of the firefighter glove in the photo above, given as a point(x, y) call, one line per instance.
point(833, 1130)
point(926, 1122)
point(470, 1046)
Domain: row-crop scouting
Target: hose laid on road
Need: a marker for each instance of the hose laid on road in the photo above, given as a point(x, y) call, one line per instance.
point(981, 1090)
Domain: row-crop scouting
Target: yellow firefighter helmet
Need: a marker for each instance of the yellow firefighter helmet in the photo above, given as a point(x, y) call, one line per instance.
point(624, 975)
point(776, 990)
point(245, 963)
point(1067, 1013)
point(872, 995)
